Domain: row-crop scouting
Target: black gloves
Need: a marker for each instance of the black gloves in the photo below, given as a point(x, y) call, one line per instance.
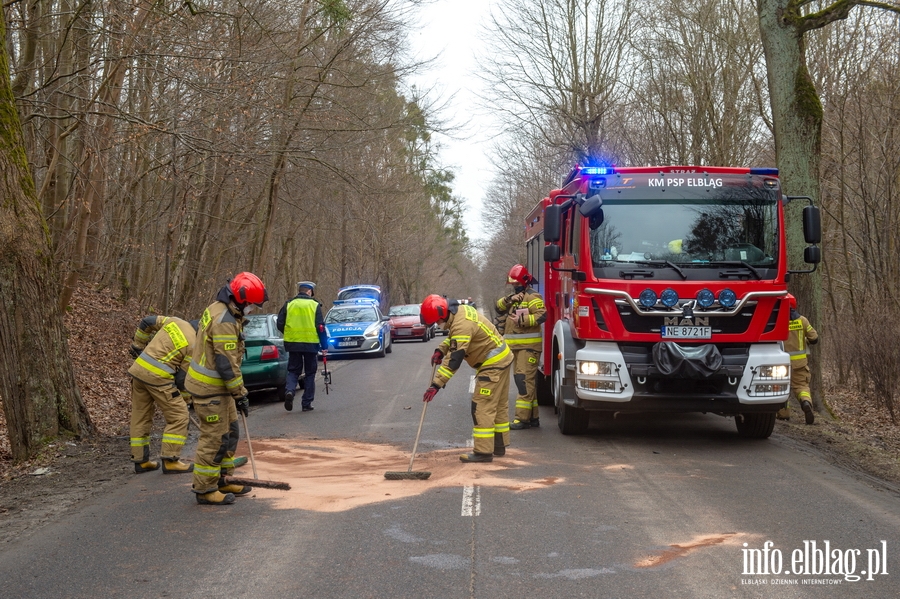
point(243, 405)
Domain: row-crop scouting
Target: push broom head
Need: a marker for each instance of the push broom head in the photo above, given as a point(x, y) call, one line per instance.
point(407, 475)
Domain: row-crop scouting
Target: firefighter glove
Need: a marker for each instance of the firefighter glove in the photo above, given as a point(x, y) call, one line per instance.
point(430, 393)
point(518, 297)
point(437, 357)
point(243, 405)
point(134, 351)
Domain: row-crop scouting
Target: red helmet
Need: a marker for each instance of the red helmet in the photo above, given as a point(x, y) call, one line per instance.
point(519, 274)
point(792, 300)
point(434, 308)
point(246, 288)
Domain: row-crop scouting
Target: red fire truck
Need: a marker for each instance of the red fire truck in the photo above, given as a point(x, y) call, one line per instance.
point(666, 291)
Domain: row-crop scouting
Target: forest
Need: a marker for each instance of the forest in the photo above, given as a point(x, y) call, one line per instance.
point(173, 143)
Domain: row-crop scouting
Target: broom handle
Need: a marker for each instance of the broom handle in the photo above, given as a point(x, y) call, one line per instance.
point(421, 420)
point(249, 444)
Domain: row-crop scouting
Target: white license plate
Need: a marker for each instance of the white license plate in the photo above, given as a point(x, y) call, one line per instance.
point(683, 332)
point(347, 344)
point(404, 332)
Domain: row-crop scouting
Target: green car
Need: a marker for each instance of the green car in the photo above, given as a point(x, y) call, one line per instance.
point(265, 360)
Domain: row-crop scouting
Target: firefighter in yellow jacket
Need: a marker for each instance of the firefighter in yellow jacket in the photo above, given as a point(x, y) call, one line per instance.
point(525, 312)
point(162, 351)
point(473, 338)
point(215, 382)
point(801, 335)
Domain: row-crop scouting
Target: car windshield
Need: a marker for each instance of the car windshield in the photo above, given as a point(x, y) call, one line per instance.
point(256, 327)
point(410, 310)
point(688, 232)
point(355, 314)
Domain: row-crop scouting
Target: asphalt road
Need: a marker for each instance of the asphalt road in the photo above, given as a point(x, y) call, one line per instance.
point(655, 506)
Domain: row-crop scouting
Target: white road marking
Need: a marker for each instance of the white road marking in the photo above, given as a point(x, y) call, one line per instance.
point(471, 502)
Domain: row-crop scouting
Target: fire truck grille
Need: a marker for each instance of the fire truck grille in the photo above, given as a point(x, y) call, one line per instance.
point(636, 323)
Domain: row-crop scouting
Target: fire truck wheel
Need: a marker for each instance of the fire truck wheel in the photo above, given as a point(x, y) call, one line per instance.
point(572, 421)
point(755, 426)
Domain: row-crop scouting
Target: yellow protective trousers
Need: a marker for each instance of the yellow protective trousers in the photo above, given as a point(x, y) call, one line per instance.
point(490, 407)
point(525, 372)
point(218, 441)
point(144, 399)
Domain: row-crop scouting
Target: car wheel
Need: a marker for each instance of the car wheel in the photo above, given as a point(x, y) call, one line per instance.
point(390, 346)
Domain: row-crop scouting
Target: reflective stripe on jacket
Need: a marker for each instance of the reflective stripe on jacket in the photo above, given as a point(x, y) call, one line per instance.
point(796, 344)
point(215, 367)
point(477, 338)
point(527, 335)
point(168, 350)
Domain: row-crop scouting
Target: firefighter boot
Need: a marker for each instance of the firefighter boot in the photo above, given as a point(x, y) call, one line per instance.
point(146, 467)
point(518, 425)
point(215, 498)
point(476, 457)
point(175, 466)
point(499, 447)
point(232, 488)
point(808, 411)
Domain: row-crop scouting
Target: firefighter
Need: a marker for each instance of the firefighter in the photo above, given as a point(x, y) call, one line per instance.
point(524, 313)
point(301, 321)
point(162, 351)
point(214, 381)
point(801, 335)
point(473, 338)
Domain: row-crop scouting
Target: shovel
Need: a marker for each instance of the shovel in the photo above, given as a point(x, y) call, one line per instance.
point(409, 474)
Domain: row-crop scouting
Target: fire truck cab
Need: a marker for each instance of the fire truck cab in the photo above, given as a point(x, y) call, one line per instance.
point(666, 291)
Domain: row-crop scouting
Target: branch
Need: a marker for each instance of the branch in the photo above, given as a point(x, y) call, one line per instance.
point(839, 11)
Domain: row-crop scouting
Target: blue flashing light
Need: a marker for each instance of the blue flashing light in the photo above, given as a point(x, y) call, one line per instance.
point(647, 298)
point(727, 298)
point(705, 298)
point(764, 171)
point(669, 297)
point(597, 170)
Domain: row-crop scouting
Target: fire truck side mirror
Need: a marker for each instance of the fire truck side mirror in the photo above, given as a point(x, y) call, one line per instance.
point(812, 225)
point(552, 219)
point(551, 253)
point(812, 254)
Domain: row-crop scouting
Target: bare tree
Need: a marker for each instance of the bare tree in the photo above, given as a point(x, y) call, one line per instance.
point(37, 385)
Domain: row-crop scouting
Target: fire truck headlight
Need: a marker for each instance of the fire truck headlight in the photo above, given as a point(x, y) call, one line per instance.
point(705, 298)
point(727, 298)
point(774, 371)
point(647, 298)
point(669, 297)
point(596, 368)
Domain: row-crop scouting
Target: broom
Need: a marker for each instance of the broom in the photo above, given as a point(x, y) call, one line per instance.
point(256, 482)
point(409, 474)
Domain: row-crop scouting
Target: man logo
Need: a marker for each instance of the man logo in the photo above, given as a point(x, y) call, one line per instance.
point(696, 321)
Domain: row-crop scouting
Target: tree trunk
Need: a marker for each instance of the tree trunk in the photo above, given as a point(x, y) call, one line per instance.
point(797, 118)
point(37, 385)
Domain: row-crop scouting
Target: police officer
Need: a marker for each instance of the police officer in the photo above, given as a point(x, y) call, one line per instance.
point(214, 380)
point(801, 335)
point(524, 313)
point(162, 351)
point(473, 338)
point(301, 321)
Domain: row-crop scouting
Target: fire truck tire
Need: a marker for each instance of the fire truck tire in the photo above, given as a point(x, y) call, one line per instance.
point(756, 425)
point(572, 421)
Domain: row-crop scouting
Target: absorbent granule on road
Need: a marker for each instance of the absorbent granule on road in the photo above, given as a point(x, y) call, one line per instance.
point(675, 551)
point(338, 475)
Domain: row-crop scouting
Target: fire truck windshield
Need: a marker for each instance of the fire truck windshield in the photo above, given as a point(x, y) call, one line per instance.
point(688, 233)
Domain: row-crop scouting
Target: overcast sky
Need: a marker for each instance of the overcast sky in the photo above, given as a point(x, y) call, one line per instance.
point(450, 30)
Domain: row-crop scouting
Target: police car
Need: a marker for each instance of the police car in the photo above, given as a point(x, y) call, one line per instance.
point(357, 326)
